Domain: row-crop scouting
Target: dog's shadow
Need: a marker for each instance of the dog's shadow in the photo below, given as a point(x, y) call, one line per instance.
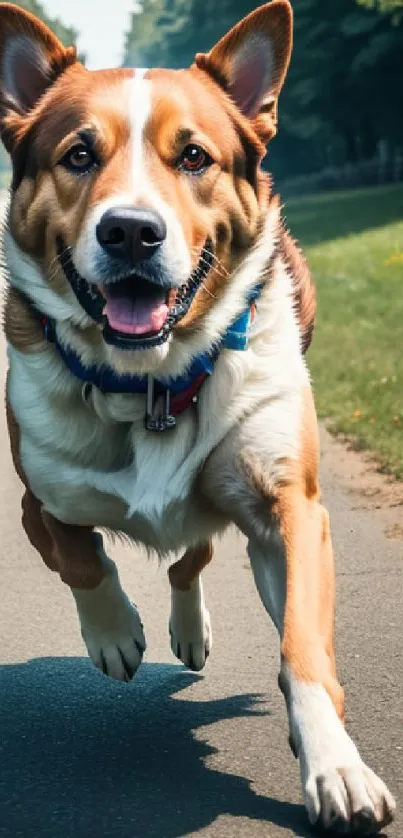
point(85, 757)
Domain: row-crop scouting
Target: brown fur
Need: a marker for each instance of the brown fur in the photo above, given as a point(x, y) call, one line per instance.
point(228, 204)
point(294, 503)
point(70, 551)
point(304, 288)
point(273, 20)
point(182, 573)
point(308, 634)
point(22, 327)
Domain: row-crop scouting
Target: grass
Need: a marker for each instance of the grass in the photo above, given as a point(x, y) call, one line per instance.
point(5, 178)
point(354, 243)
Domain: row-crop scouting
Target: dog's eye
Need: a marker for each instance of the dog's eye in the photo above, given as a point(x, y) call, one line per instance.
point(194, 159)
point(79, 159)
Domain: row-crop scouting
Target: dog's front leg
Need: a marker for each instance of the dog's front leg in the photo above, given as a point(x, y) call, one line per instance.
point(189, 625)
point(294, 574)
point(274, 500)
point(110, 623)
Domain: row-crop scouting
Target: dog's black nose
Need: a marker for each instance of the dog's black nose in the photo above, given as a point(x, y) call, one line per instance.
point(131, 233)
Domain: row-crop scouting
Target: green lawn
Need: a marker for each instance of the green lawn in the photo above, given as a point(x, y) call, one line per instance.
point(354, 243)
point(5, 179)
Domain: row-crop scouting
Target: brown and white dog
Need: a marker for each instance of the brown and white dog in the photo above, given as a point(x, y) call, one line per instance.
point(139, 228)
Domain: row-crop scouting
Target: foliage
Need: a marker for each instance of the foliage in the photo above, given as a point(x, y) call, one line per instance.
point(354, 246)
point(393, 8)
point(343, 97)
point(66, 34)
point(383, 5)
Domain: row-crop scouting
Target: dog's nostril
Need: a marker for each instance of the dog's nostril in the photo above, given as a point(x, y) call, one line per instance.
point(150, 236)
point(131, 233)
point(115, 236)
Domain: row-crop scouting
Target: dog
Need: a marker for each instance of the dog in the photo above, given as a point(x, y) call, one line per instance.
point(157, 315)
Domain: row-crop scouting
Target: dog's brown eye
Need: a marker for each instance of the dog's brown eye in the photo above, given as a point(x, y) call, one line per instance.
point(79, 159)
point(194, 159)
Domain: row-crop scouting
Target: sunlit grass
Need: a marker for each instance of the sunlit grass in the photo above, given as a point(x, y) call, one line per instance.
point(356, 357)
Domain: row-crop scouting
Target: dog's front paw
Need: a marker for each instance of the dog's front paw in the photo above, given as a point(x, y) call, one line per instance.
point(346, 796)
point(111, 629)
point(190, 627)
point(340, 792)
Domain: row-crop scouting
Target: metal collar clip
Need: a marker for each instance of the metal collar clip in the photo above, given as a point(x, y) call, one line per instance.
point(158, 418)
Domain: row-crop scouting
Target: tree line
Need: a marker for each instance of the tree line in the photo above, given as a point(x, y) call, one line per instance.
point(342, 104)
point(343, 100)
point(67, 34)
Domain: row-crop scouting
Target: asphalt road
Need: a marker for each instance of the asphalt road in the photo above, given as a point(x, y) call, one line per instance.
point(174, 753)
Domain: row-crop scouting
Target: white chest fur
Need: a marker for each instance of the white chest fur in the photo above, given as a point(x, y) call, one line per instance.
point(97, 465)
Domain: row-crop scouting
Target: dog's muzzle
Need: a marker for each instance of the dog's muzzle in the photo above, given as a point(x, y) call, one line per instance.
point(106, 307)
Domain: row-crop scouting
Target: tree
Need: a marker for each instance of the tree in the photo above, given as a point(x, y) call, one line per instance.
point(170, 32)
point(383, 5)
point(393, 8)
point(66, 34)
point(343, 94)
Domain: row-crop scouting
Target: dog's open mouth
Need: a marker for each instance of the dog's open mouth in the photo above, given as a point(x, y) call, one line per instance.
point(135, 313)
point(135, 307)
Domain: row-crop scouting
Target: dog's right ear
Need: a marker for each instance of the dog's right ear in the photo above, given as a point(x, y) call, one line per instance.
point(251, 61)
point(31, 58)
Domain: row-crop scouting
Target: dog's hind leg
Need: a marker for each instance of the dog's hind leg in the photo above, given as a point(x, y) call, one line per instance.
point(110, 623)
point(189, 625)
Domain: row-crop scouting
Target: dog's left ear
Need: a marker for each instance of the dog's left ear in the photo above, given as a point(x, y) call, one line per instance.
point(251, 63)
point(31, 58)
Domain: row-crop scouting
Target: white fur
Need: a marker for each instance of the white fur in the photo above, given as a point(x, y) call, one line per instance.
point(172, 264)
point(96, 464)
point(27, 276)
point(268, 565)
point(175, 356)
point(335, 781)
point(190, 626)
point(173, 258)
point(140, 110)
point(93, 463)
point(111, 627)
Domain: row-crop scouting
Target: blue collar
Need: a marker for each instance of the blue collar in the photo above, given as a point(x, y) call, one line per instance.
point(179, 393)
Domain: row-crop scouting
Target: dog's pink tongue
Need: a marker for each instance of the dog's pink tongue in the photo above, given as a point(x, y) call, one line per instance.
point(136, 316)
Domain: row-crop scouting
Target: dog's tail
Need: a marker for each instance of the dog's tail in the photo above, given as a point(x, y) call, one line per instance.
point(303, 285)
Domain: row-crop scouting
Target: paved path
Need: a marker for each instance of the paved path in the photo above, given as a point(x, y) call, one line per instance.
point(174, 753)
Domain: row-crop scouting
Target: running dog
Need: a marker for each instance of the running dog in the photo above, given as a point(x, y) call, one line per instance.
point(157, 316)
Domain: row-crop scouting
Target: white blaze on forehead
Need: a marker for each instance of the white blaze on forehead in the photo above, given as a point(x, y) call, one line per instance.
point(139, 190)
point(140, 109)
point(144, 191)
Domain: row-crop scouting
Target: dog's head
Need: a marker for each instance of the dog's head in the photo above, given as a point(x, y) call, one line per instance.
point(137, 194)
